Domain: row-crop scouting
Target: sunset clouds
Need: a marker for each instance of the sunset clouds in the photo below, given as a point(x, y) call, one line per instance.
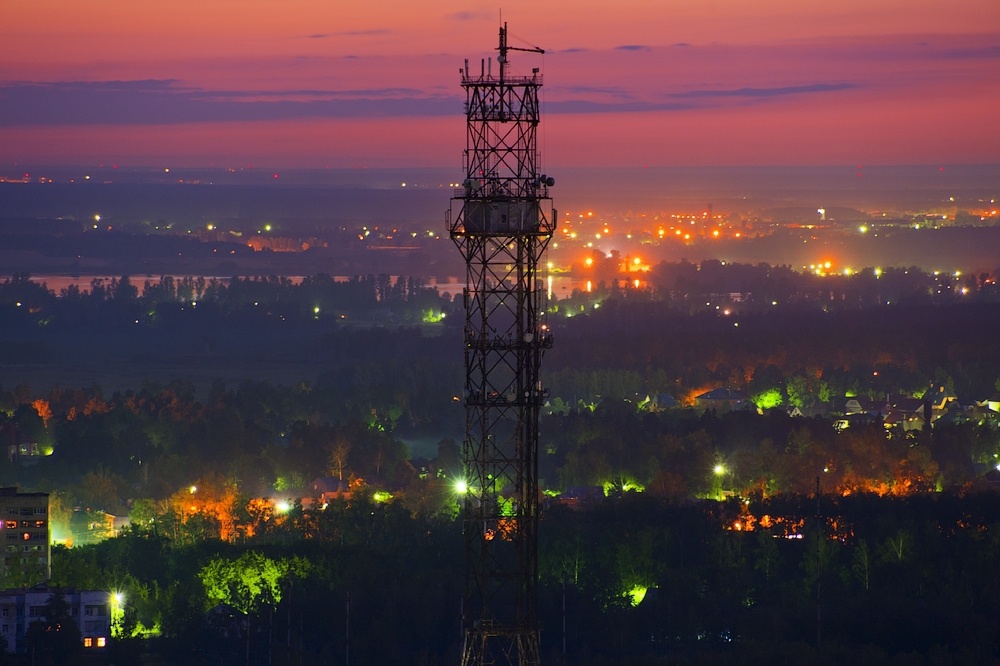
point(300, 84)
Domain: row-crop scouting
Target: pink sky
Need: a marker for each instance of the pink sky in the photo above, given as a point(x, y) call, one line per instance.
point(689, 82)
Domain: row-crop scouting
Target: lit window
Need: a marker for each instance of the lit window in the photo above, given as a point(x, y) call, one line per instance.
point(101, 641)
point(88, 642)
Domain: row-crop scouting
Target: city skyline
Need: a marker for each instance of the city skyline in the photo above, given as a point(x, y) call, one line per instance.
point(297, 85)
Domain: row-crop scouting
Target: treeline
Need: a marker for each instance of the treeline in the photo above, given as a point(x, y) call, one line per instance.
point(635, 345)
point(683, 454)
point(104, 452)
point(762, 285)
point(634, 580)
point(138, 452)
point(121, 300)
point(681, 338)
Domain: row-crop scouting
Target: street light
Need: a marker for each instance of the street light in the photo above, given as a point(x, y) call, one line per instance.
point(117, 614)
point(720, 471)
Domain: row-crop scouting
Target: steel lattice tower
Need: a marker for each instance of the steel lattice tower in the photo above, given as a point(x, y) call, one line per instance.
point(503, 226)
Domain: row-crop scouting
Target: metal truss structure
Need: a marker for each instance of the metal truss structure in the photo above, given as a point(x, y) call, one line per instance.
point(504, 223)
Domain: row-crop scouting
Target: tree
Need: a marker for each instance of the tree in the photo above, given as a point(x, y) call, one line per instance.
point(339, 451)
point(210, 505)
point(249, 581)
point(636, 564)
point(102, 490)
point(798, 390)
point(861, 563)
point(123, 290)
point(768, 398)
point(143, 513)
point(897, 547)
point(768, 560)
point(44, 410)
point(55, 639)
point(449, 458)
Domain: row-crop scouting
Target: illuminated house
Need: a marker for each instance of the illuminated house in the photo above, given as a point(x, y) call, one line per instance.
point(581, 496)
point(941, 398)
point(658, 402)
point(326, 489)
point(90, 609)
point(909, 413)
point(92, 526)
point(721, 400)
point(867, 406)
point(24, 537)
point(17, 445)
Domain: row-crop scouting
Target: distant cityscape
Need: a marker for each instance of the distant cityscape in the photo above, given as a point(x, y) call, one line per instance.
point(807, 219)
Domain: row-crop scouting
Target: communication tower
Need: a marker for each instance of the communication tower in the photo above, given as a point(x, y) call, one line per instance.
point(504, 223)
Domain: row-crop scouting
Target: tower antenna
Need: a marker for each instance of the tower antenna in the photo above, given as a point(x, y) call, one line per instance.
point(503, 225)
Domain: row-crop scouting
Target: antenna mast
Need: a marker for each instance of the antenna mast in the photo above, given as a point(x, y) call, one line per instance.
point(504, 223)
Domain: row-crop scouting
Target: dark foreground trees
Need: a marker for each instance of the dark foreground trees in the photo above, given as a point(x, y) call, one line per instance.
point(630, 580)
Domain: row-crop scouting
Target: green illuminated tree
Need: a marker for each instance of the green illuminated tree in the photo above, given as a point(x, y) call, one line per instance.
point(636, 564)
point(825, 393)
point(768, 399)
point(250, 581)
point(798, 389)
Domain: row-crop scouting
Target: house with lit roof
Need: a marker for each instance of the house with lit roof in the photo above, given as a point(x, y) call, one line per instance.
point(721, 400)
